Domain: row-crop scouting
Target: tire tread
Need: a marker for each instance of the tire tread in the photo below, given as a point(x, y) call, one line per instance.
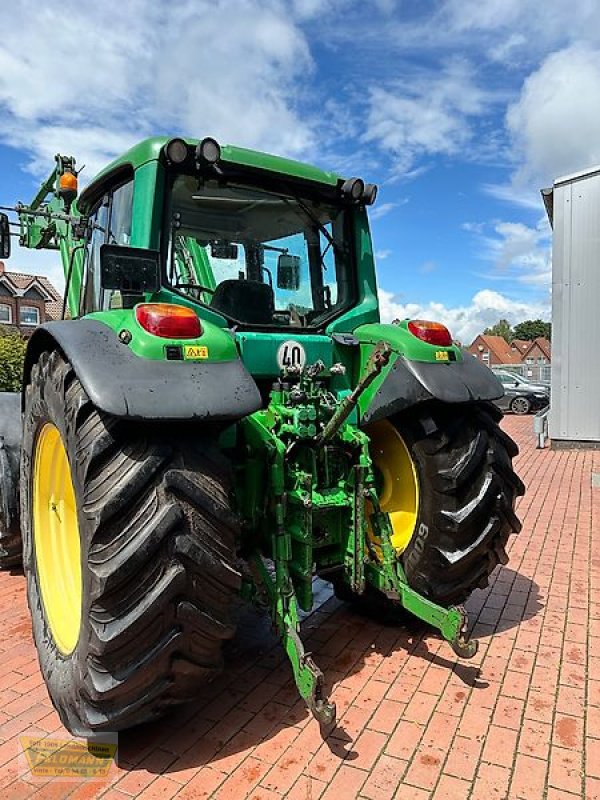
point(471, 492)
point(159, 540)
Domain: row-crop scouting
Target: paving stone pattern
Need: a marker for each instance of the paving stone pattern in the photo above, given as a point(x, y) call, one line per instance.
point(522, 720)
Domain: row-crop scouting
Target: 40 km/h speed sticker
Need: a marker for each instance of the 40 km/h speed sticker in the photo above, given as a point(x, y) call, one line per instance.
point(291, 354)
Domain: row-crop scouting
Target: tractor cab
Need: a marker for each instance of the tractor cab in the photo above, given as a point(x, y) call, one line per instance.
point(275, 251)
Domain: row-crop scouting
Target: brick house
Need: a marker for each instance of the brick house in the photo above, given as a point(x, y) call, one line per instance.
point(26, 301)
point(539, 352)
point(520, 345)
point(494, 350)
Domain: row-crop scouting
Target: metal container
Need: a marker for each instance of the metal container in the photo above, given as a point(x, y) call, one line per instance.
point(573, 206)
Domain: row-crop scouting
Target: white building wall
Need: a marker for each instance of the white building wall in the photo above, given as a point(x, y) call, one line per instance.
point(575, 406)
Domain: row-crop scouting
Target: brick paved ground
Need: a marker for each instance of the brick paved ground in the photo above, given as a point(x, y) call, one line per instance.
point(520, 721)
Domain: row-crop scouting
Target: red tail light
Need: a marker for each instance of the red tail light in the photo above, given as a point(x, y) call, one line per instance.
point(430, 332)
point(168, 321)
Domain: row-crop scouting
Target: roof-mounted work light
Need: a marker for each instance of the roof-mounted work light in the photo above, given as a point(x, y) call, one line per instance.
point(353, 189)
point(370, 194)
point(208, 151)
point(176, 151)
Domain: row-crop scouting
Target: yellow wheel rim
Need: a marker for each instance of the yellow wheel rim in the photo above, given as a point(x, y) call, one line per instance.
point(398, 483)
point(56, 539)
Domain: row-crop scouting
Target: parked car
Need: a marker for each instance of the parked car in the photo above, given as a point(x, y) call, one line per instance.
point(521, 396)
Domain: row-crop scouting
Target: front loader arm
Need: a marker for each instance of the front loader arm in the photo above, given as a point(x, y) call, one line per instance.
point(45, 219)
point(46, 222)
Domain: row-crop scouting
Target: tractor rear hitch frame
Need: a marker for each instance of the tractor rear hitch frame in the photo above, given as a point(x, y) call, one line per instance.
point(287, 487)
point(377, 361)
point(309, 680)
point(452, 622)
point(308, 677)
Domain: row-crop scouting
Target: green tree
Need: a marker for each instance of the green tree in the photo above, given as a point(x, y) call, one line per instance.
point(531, 329)
point(501, 328)
point(12, 356)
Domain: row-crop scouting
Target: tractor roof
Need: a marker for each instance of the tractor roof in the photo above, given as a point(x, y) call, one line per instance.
point(150, 149)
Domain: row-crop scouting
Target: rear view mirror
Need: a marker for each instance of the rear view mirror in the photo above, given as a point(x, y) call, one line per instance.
point(131, 270)
point(4, 236)
point(288, 272)
point(224, 250)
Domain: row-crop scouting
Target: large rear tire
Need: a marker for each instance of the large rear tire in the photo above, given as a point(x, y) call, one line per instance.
point(459, 503)
point(154, 534)
point(10, 439)
point(467, 494)
point(10, 529)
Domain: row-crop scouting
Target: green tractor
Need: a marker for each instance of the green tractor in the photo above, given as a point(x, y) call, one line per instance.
point(221, 416)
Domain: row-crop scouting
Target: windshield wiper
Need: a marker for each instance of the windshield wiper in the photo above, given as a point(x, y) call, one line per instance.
point(315, 220)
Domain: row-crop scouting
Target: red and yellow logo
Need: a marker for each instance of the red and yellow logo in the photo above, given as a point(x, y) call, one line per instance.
point(68, 758)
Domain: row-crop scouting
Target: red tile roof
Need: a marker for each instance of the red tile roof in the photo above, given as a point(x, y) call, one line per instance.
point(543, 344)
point(521, 344)
point(500, 348)
point(505, 353)
point(22, 281)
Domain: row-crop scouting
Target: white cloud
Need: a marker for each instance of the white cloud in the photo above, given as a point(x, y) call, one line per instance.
point(307, 10)
point(518, 245)
point(464, 322)
point(524, 196)
point(411, 174)
point(381, 255)
point(473, 227)
point(484, 16)
point(92, 79)
point(426, 114)
point(519, 253)
point(381, 210)
point(555, 123)
point(506, 49)
point(513, 32)
point(386, 6)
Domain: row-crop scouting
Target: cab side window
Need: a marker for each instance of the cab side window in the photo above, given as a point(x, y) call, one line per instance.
point(121, 205)
point(91, 299)
point(110, 222)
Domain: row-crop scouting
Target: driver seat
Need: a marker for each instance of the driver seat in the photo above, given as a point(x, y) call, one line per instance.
point(250, 302)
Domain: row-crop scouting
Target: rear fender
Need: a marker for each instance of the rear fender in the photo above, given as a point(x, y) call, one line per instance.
point(407, 381)
point(125, 385)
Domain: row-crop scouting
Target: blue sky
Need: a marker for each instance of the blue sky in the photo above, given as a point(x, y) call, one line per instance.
point(461, 110)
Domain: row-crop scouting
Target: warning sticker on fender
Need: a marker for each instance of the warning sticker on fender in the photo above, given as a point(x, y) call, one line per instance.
point(195, 352)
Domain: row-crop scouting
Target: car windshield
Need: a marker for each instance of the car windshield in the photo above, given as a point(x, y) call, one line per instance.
point(257, 257)
point(521, 379)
